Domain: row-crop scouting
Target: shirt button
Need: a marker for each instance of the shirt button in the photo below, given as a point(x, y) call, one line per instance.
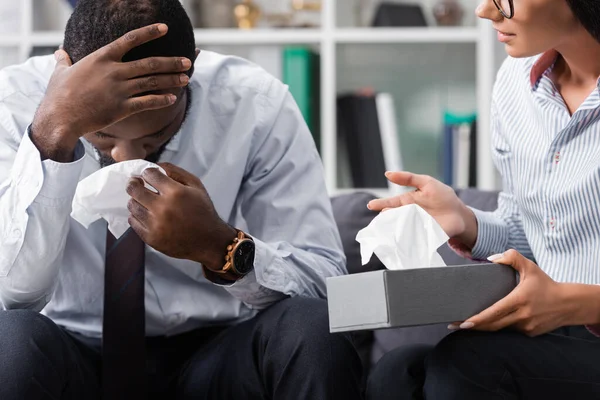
point(557, 157)
point(552, 223)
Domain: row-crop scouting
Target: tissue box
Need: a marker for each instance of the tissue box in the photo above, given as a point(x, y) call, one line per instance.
point(389, 299)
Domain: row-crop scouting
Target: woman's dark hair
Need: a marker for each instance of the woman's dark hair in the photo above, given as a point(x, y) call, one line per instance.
point(588, 13)
point(96, 23)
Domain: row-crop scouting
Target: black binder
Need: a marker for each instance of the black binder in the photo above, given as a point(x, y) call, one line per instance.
point(358, 126)
point(473, 156)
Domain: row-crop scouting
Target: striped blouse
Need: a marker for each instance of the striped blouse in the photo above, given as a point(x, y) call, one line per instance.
point(549, 209)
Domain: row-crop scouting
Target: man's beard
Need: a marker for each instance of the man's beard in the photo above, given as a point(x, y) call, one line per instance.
point(106, 160)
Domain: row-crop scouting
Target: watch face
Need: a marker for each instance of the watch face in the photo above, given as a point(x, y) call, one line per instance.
point(243, 259)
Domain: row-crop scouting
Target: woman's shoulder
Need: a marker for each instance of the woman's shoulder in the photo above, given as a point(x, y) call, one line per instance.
point(516, 71)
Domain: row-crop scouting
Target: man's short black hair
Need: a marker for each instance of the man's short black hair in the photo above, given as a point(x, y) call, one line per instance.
point(96, 23)
point(588, 13)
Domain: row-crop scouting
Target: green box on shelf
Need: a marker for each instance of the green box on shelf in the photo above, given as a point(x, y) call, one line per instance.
point(301, 72)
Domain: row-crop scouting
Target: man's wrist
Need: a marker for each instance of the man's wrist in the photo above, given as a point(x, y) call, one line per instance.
point(214, 258)
point(54, 143)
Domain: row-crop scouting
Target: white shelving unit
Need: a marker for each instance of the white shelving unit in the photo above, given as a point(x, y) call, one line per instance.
point(406, 35)
point(286, 36)
point(329, 39)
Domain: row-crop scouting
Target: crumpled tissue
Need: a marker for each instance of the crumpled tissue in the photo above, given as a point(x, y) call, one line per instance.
point(103, 195)
point(403, 238)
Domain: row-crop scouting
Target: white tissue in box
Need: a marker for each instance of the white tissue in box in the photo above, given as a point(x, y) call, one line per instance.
point(103, 195)
point(403, 238)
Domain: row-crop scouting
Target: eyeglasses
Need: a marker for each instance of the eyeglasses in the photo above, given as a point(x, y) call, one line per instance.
point(505, 7)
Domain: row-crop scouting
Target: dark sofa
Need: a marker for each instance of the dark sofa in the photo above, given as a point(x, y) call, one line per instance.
point(351, 215)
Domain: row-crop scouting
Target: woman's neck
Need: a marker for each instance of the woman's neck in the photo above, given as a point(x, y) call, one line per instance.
point(579, 62)
point(576, 71)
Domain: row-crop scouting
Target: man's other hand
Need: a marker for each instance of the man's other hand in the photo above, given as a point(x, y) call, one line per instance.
point(180, 220)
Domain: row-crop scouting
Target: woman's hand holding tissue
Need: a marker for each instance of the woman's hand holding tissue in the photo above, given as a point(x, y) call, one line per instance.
point(180, 220)
point(538, 304)
point(438, 200)
point(101, 90)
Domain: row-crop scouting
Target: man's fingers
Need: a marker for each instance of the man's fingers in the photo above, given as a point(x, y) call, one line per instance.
point(181, 175)
point(117, 49)
point(139, 228)
point(62, 59)
point(138, 211)
point(156, 82)
point(403, 178)
point(149, 102)
point(135, 188)
point(390, 202)
point(154, 66)
point(157, 180)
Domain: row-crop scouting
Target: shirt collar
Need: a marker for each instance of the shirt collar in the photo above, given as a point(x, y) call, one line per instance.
point(174, 143)
point(541, 66)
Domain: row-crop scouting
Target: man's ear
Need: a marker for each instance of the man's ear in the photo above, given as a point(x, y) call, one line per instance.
point(191, 70)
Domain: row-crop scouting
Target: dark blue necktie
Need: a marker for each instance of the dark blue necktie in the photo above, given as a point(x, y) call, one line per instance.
point(124, 323)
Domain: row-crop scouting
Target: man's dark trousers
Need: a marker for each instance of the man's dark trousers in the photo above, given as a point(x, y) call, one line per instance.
point(286, 352)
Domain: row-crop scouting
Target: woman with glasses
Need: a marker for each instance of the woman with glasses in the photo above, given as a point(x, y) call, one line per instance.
point(541, 341)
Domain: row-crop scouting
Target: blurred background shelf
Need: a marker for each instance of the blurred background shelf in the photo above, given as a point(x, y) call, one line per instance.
point(294, 36)
point(406, 35)
point(328, 49)
point(207, 36)
point(258, 36)
point(10, 40)
point(46, 38)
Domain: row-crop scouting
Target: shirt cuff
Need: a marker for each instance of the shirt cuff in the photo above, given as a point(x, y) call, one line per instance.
point(460, 249)
point(246, 280)
point(492, 235)
point(256, 289)
point(264, 257)
point(54, 182)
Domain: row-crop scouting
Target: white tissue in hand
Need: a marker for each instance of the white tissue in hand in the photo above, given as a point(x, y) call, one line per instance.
point(403, 238)
point(103, 195)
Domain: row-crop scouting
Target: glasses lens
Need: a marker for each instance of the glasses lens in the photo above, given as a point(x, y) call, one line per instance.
point(504, 5)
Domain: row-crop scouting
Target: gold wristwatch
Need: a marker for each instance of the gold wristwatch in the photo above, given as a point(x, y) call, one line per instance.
point(239, 259)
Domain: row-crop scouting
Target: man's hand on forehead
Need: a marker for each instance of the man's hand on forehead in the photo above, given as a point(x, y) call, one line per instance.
point(101, 90)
